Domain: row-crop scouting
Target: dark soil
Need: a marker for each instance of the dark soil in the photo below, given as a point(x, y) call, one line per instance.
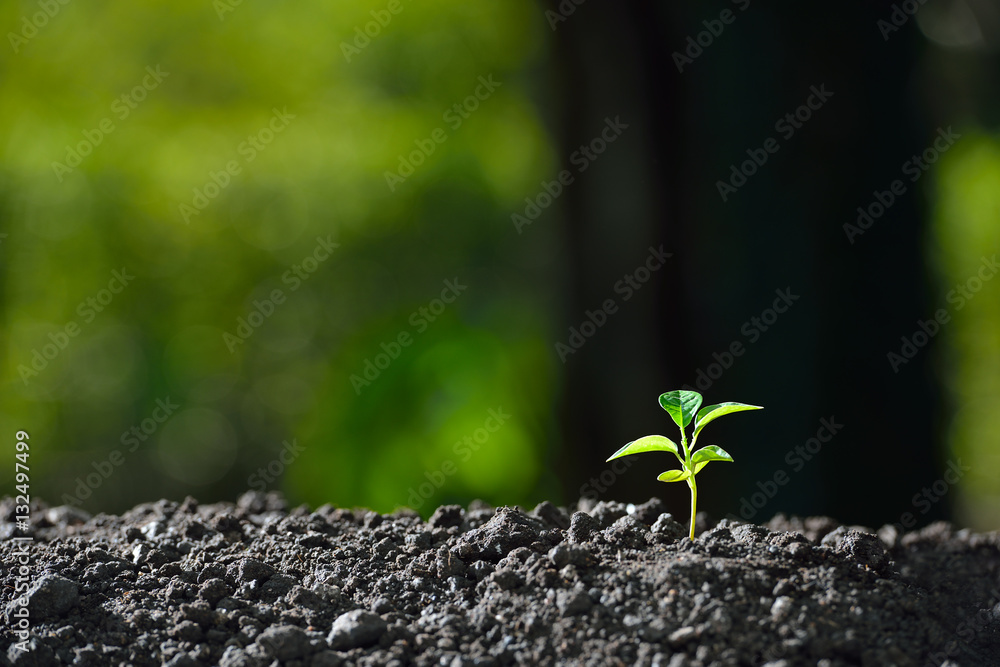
point(257, 584)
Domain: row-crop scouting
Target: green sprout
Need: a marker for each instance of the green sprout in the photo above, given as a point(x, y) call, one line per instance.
point(683, 406)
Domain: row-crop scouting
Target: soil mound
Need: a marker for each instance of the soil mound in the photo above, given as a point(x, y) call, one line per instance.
point(257, 584)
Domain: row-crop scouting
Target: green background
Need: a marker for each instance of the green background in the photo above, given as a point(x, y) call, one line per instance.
point(423, 431)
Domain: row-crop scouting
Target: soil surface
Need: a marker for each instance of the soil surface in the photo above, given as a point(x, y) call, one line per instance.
point(256, 583)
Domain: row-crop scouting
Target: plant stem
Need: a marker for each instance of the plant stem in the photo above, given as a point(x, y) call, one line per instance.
point(687, 465)
point(694, 502)
point(684, 444)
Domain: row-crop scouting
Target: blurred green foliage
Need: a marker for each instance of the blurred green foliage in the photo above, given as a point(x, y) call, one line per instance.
point(349, 114)
point(965, 245)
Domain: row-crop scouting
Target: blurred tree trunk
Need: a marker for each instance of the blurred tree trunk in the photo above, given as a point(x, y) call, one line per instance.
point(613, 62)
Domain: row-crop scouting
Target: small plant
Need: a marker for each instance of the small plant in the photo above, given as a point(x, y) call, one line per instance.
point(683, 407)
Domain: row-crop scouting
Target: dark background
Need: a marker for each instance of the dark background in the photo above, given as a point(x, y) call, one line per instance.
point(826, 357)
point(566, 70)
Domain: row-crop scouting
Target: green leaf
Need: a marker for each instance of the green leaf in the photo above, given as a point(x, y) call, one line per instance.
point(710, 453)
point(649, 443)
point(674, 476)
point(713, 412)
point(699, 466)
point(682, 405)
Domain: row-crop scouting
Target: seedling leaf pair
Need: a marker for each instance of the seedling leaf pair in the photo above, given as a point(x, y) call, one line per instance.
point(683, 407)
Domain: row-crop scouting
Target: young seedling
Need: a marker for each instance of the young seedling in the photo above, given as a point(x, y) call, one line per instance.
point(683, 407)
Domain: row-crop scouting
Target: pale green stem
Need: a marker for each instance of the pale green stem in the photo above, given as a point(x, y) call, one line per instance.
point(694, 502)
point(690, 480)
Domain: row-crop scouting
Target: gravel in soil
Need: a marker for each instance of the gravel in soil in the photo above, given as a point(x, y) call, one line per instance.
point(258, 584)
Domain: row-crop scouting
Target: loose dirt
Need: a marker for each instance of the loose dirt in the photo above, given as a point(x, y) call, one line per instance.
point(257, 584)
